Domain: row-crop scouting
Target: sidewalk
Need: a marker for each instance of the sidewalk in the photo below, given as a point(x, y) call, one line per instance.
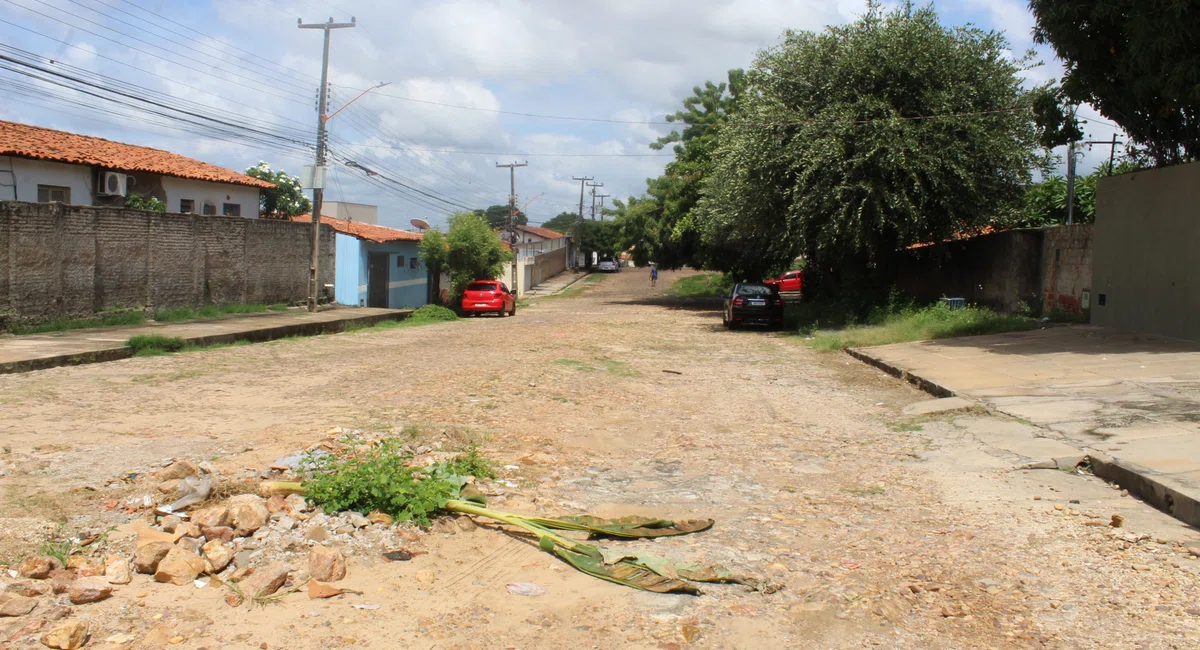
point(556, 284)
point(1131, 402)
point(74, 347)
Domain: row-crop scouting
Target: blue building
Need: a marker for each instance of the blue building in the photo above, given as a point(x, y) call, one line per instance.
point(375, 266)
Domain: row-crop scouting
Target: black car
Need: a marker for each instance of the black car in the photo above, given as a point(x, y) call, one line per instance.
point(753, 303)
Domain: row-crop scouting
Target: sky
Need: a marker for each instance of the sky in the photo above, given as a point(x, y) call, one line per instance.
point(572, 87)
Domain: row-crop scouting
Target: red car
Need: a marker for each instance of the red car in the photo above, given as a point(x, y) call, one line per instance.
point(488, 296)
point(790, 281)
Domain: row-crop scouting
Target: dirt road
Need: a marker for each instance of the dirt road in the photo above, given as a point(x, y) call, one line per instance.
point(882, 530)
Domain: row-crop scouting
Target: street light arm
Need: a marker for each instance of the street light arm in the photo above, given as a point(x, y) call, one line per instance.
point(347, 104)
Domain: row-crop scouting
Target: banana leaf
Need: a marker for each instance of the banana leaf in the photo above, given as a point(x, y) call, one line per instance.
point(633, 527)
point(623, 572)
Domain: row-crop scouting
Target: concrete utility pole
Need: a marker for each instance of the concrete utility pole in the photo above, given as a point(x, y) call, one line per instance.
point(594, 186)
point(602, 197)
point(583, 180)
point(314, 286)
point(1072, 154)
point(512, 213)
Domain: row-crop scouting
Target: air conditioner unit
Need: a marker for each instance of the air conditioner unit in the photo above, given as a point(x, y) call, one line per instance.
point(112, 184)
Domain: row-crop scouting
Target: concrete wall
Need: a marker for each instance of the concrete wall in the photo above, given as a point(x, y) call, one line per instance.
point(360, 212)
point(218, 194)
point(1067, 269)
point(69, 261)
point(1147, 269)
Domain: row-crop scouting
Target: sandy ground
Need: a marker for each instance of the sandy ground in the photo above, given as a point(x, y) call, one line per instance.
point(883, 531)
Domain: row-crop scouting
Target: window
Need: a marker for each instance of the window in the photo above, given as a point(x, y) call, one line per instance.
point(48, 193)
point(210, 209)
point(399, 261)
point(414, 263)
point(187, 205)
point(231, 209)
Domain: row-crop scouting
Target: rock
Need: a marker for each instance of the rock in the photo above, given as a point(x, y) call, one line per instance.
point(16, 605)
point(177, 470)
point(218, 533)
point(61, 579)
point(28, 589)
point(189, 529)
point(59, 612)
point(216, 516)
point(1194, 551)
point(179, 567)
point(151, 536)
point(344, 530)
point(88, 568)
point(242, 559)
point(378, 517)
point(445, 526)
point(465, 524)
point(117, 570)
point(67, 636)
point(193, 544)
point(218, 554)
point(356, 519)
point(89, 590)
point(425, 577)
point(536, 458)
point(147, 557)
point(38, 567)
point(277, 504)
point(297, 503)
point(408, 535)
point(265, 581)
point(317, 534)
point(169, 488)
point(285, 523)
point(249, 512)
point(326, 564)
point(1117, 521)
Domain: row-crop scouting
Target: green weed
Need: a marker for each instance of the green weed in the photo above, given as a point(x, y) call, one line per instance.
point(618, 368)
point(60, 551)
point(427, 315)
point(207, 311)
point(152, 345)
point(704, 285)
point(99, 320)
point(906, 427)
point(919, 324)
point(472, 463)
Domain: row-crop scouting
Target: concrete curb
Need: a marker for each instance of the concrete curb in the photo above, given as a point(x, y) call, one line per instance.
point(256, 335)
point(1148, 485)
point(921, 383)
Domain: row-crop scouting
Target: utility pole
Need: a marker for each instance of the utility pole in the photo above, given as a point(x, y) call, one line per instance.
point(602, 197)
point(314, 286)
point(594, 186)
point(1070, 182)
point(583, 180)
point(512, 213)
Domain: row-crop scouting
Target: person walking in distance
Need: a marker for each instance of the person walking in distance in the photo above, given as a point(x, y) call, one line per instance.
point(653, 276)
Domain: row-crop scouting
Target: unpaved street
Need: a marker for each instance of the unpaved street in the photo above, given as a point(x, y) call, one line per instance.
point(882, 530)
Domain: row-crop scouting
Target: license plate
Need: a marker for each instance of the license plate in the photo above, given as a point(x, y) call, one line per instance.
point(758, 303)
point(481, 304)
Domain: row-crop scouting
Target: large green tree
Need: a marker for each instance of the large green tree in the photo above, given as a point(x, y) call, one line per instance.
point(671, 235)
point(1137, 62)
point(286, 200)
point(473, 251)
point(497, 216)
point(564, 222)
point(860, 140)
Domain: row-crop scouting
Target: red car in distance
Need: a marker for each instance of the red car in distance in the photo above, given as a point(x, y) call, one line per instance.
point(790, 281)
point(488, 296)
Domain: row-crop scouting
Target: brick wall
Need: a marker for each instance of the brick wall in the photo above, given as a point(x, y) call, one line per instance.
point(68, 261)
point(1067, 269)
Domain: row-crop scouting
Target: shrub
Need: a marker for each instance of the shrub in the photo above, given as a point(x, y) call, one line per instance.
point(145, 345)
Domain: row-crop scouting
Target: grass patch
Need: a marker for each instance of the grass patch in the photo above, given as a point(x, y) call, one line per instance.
point(427, 315)
point(917, 324)
point(618, 368)
point(282, 306)
point(906, 427)
point(472, 463)
point(210, 311)
point(99, 320)
point(153, 345)
point(704, 285)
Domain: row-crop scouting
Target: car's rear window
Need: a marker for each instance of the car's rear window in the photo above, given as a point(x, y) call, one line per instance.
point(481, 286)
point(755, 290)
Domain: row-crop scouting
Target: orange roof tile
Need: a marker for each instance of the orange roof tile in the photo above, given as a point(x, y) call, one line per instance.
point(40, 143)
point(958, 236)
point(369, 232)
point(542, 232)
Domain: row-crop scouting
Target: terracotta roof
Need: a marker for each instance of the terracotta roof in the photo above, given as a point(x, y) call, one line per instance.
point(958, 236)
point(542, 232)
point(39, 143)
point(369, 232)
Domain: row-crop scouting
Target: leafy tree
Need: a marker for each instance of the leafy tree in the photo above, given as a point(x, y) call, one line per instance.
point(564, 222)
point(637, 220)
point(435, 255)
point(139, 202)
point(473, 251)
point(1137, 62)
point(286, 200)
point(497, 216)
point(602, 237)
point(673, 239)
point(835, 157)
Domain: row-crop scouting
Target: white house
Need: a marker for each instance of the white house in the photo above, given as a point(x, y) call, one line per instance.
point(43, 165)
point(541, 254)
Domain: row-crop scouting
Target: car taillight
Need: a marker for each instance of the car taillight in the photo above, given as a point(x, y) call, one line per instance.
point(778, 302)
point(737, 302)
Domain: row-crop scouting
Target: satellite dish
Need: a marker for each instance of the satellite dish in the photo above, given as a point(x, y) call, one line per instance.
point(420, 224)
